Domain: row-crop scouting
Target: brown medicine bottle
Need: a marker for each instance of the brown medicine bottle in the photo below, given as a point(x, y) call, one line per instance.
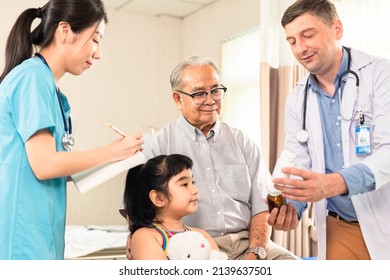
point(274, 197)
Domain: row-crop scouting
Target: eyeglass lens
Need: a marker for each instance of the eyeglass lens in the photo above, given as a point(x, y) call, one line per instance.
point(216, 94)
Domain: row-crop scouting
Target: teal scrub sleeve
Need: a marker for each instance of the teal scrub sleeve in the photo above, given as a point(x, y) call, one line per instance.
point(34, 103)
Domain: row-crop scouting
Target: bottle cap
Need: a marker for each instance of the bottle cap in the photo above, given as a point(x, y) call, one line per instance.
point(275, 192)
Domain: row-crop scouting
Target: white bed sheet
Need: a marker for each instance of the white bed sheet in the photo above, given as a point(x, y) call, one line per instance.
point(84, 240)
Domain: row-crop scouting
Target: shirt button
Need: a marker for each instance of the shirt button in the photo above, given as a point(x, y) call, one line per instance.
point(203, 145)
point(333, 101)
point(337, 123)
point(219, 212)
point(213, 190)
point(208, 168)
point(338, 144)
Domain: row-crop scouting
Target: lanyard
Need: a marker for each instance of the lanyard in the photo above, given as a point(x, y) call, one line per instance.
point(67, 139)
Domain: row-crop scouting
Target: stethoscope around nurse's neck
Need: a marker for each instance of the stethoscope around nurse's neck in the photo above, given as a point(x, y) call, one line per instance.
point(303, 134)
point(67, 139)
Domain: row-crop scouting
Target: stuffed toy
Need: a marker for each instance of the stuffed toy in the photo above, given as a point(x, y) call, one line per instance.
point(192, 245)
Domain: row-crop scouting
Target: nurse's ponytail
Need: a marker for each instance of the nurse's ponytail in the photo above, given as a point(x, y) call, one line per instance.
point(80, 14)
point(19, 45)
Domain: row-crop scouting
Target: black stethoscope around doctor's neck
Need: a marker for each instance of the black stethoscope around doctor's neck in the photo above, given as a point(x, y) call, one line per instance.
point(67, 139)
point(303, 134)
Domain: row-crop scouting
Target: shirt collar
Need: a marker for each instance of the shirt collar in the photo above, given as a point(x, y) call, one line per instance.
point(194, 132)
point(343, 66)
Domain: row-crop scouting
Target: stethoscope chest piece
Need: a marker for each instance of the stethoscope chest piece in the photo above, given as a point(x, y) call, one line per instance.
point(67, 141)
point(303, 136)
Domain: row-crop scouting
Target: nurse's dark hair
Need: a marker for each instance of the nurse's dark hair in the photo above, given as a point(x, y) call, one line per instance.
point(142, 179)
point(80, 14)
point(323, 9)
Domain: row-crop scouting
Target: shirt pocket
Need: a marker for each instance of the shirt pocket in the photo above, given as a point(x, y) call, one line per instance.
point(38, 242)
point(234, 179)
point(381, 209)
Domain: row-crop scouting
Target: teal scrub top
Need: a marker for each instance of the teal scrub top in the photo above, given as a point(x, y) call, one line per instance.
point(32, 211)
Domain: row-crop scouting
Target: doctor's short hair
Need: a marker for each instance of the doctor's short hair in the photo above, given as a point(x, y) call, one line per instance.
point(323, 9)
point(176, 75)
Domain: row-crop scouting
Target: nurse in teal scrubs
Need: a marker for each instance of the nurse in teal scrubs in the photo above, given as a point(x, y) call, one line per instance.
point(35, 126)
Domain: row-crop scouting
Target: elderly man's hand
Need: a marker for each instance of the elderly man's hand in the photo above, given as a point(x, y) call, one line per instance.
point(285, 219)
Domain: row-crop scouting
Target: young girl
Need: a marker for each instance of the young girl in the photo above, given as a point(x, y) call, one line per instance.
point(35, 127)
point(158, 195)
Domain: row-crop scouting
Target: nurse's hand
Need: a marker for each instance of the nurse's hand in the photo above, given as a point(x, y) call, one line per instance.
point(285, 219)
point(47, 163)
point(127, 146)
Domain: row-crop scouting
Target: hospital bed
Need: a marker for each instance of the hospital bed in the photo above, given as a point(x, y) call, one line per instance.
point(94, 242)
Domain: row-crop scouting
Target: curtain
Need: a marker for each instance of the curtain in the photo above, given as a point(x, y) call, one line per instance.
point(276, 83)
point(274, 52)
point(279, 73)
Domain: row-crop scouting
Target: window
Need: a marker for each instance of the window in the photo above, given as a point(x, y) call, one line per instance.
point(365, 25)
point(240, 65)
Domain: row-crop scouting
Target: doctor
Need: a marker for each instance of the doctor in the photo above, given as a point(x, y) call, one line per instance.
point(337, 123)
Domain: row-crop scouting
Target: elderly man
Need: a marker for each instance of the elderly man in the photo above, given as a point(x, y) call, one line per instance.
point(228, 168)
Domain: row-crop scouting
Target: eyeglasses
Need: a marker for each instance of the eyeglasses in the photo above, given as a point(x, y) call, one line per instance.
point(200, 97)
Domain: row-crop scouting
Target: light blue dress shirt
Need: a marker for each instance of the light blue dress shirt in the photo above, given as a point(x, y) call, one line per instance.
point(357, 177)
point(32, 219)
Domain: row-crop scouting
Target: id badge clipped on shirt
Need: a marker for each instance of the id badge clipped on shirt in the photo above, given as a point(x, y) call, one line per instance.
point(363, 137)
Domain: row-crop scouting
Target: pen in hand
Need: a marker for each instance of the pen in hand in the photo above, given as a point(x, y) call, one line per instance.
point(116, 130)
point(139, 149)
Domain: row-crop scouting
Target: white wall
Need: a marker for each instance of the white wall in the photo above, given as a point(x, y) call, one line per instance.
point(203, 31)
point(130, 85)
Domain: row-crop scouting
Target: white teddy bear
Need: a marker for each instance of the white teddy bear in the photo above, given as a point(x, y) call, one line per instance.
point(192, 245)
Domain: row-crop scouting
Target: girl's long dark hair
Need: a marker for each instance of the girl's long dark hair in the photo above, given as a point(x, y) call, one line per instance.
point(80, 14)
point(153, 175)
